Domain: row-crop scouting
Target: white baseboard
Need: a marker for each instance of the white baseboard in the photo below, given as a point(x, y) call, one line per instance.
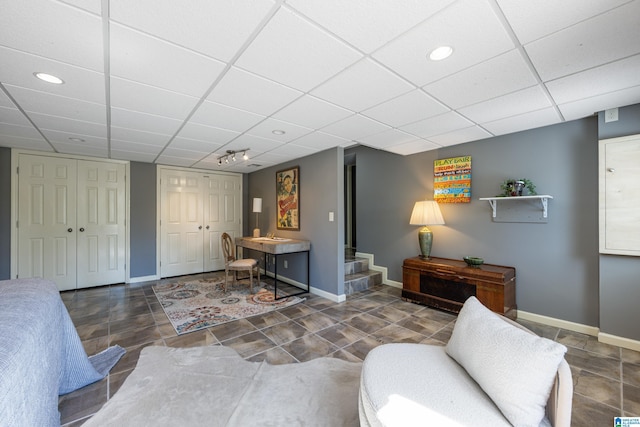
point(559, 323)
point(143, 279)
point(383, 270)
point(583, 329)
point(619, 341)
point(312, 290)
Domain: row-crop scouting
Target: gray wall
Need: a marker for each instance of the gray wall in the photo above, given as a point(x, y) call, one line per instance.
point(142, 208)
point(5, 213)
point(619, 283)
point(556, 262)
point(321, 178)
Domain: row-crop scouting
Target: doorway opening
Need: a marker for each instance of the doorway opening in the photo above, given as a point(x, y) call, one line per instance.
point(350, 243)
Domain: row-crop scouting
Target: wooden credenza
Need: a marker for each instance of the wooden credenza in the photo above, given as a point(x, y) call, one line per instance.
point(447, 283)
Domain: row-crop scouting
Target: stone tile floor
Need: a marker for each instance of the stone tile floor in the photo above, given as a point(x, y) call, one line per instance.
point(606, 378)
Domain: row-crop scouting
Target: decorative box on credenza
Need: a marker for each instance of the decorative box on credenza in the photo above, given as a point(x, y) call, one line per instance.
point(447, 283)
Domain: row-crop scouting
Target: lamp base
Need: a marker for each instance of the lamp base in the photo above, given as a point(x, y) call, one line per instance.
point(425, 240)
point(256, 232)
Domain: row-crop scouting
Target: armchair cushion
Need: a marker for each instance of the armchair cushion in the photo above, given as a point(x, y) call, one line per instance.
point(514, 367)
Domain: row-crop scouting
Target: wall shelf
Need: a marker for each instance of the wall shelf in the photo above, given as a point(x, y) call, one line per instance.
point(493, 201)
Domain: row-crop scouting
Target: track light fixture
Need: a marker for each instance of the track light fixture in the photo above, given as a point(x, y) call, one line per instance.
point(231, 154)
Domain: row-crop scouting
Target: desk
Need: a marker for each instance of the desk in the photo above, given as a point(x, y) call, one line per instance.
point(277, 247)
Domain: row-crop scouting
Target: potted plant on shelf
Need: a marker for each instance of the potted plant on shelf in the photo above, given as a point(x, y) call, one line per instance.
point(516, 187)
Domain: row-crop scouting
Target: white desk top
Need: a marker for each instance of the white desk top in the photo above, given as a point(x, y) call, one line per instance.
point(273, 246)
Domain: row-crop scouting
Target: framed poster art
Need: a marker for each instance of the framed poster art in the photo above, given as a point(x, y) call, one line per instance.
point(452, 180)
point(288, 199)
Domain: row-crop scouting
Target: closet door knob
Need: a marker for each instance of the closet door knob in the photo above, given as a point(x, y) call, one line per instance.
point(69, 230)
point(200, 228)
point(207, 227)
point(82, 229)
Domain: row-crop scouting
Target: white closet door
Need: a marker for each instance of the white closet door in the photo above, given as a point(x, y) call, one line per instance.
point(101, 223)
point(182, 227)
point(221, 214)
point(47, 219)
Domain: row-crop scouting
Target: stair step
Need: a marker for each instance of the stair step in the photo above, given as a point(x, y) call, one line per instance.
point(361, 281)
point(355, 265)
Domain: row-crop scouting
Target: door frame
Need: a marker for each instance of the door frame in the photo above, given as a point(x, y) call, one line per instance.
point(15, 153)
point(159, 169)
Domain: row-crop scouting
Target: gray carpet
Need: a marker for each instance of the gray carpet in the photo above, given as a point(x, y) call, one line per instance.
point(214, 386)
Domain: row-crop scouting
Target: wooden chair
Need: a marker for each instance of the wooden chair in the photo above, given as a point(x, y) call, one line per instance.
point(235, 265)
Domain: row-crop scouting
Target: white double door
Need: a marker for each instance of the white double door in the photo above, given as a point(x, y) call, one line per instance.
point(71, 221)
point(195, 209)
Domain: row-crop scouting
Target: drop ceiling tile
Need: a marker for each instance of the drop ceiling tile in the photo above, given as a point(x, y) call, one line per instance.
point(408, 108)
point(319, 141)
point(7, 129)
point(368, 24)
point(5, 101)
point(596, 81)
point(146, 59)
point(207, 133)
point(533, 20)
point(135, 147)
point(225, 117)
point(134, 96)
point(460, 136)
point(72, 127)
point(266, 130)
point(79, 83)
point(589, 106)
point(145, 122)
point(312, 112)
point(437, 125)
point(522, 101)
point(530, 120)
point(362, 86)
point(470, 27)
point(139, 137)
point(215, 28)
point(387, 138)
point(282, 53)
point(13, 116)
point(355, 127)
point(55, 105)
point(194, 145)
point(132, 156)
point(496, 77)
point(293, 151)
point(413, 147)
point(94, 150)
point(255, 144)
point(246, 91)
point(38, 144)
point(53, 30)
point(175, 161)
point(270, 159)
point(578, 48)
point(197, 155)
point(93, 6)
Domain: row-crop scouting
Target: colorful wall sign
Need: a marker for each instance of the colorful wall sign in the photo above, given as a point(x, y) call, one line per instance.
point(452, 180)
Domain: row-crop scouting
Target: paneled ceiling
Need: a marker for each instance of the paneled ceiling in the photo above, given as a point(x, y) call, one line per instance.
point(181, 82)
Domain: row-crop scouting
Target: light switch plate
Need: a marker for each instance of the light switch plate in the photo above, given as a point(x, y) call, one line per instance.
point(330, 216)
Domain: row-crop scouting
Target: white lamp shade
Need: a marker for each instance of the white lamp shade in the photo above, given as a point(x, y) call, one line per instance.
point(257, 204)
point(426, 212)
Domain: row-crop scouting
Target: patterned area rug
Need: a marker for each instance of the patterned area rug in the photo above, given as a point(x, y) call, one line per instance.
point(195, 305)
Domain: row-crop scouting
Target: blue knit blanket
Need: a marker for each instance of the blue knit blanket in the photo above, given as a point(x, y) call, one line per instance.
point(41, 355)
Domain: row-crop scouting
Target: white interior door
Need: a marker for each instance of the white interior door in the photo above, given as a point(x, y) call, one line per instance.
point(101, 223)
point(181, 224)
point(221, 214)
point(47, 219)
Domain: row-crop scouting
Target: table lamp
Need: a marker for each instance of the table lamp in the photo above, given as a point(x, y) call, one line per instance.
point(257, 208)
point(426, 212)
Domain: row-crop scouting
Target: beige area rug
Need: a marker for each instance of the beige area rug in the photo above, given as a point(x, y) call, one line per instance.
point(191, 306)
point(214, 386)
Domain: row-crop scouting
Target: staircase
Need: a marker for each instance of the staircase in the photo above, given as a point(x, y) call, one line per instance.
point(357, 276)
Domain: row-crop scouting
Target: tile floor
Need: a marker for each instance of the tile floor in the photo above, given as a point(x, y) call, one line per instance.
point(606, 378)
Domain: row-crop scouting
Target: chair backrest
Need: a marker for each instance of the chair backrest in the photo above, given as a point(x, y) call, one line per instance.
point(227, 248)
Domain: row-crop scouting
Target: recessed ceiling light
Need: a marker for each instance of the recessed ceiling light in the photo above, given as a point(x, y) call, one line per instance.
point(49, 78)
point(77, 139)
point(278, 132)
point(440, 53)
